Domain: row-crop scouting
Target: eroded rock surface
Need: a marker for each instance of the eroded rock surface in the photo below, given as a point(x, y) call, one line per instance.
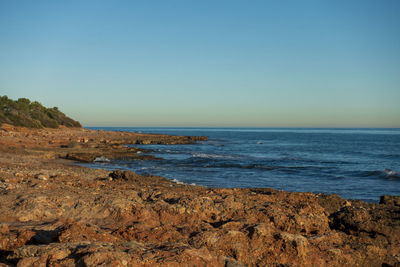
point(56, 214)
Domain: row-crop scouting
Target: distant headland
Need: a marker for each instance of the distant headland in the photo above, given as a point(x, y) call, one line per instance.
point(24, 113)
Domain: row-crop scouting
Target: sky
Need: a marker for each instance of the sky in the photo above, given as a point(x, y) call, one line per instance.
point(282, 63)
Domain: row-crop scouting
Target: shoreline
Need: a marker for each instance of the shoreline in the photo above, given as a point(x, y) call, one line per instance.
point(328, 162)
point(62, 214)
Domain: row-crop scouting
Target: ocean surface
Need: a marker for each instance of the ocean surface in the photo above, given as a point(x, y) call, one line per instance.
point(353, 163)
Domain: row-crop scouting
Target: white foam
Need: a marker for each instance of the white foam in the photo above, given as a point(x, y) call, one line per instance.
point(101, 159)
point(177, 181)
point(391, 173)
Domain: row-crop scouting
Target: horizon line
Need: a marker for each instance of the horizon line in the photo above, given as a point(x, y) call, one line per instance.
point(241, 127)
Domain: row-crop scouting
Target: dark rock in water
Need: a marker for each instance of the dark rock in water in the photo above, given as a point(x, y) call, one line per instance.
point(390, 200)
point(122, 154)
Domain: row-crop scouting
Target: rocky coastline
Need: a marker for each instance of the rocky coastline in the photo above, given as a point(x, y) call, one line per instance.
point(54, 213)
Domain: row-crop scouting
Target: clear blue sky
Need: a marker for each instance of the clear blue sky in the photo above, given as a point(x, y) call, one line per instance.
point(206, 63)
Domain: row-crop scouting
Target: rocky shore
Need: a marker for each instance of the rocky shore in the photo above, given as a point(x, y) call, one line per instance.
point(54, 213)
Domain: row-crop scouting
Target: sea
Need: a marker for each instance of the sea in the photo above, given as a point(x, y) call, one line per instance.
point(360, 164)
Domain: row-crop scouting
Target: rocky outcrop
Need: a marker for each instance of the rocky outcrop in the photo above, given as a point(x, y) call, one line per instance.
point(55, 214)
point(151, 221)
point(390, 200)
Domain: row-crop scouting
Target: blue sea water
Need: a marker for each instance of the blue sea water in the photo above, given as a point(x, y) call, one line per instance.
point(353, 163)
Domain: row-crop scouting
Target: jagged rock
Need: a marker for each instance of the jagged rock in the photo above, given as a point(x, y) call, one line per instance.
point(81, 217)
point(369, 219)
point(123, 175)
point(390, 200)
point(14, 238)
point(76, 232)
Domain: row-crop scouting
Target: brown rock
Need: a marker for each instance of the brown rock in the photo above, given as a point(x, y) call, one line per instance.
point(369, 219)
point(76, 232)
point(11, 239)
point(390, 200)
point(43, 177)
point(82, 218)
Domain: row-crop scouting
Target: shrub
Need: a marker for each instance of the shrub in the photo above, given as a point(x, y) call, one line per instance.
point(25, 113)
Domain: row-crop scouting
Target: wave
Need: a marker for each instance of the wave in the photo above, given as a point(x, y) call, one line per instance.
point(177, 181)
point(200, 158)
point(215, 143)
point(212, 156)
point(101, 159)
point(391, 174)
point(180, 182)
point(285, 168)
point(390, 156)
point(167, 151)
point(386, 173)
point(263, 167)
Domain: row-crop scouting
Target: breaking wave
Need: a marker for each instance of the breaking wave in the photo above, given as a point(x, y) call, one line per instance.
point(386, 173)
point(391, 174)
point(101, 159)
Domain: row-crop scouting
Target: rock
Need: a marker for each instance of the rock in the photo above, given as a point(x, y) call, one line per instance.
point(230, 262)
point(32, 261)
point(4, 228)
point(76, 232)
point(74, 144)
point(43, 177)
point(97, 217)
point(332, 202)
point(123, 175)
point(371, 220)
point(11, 239)
point(390, 200)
